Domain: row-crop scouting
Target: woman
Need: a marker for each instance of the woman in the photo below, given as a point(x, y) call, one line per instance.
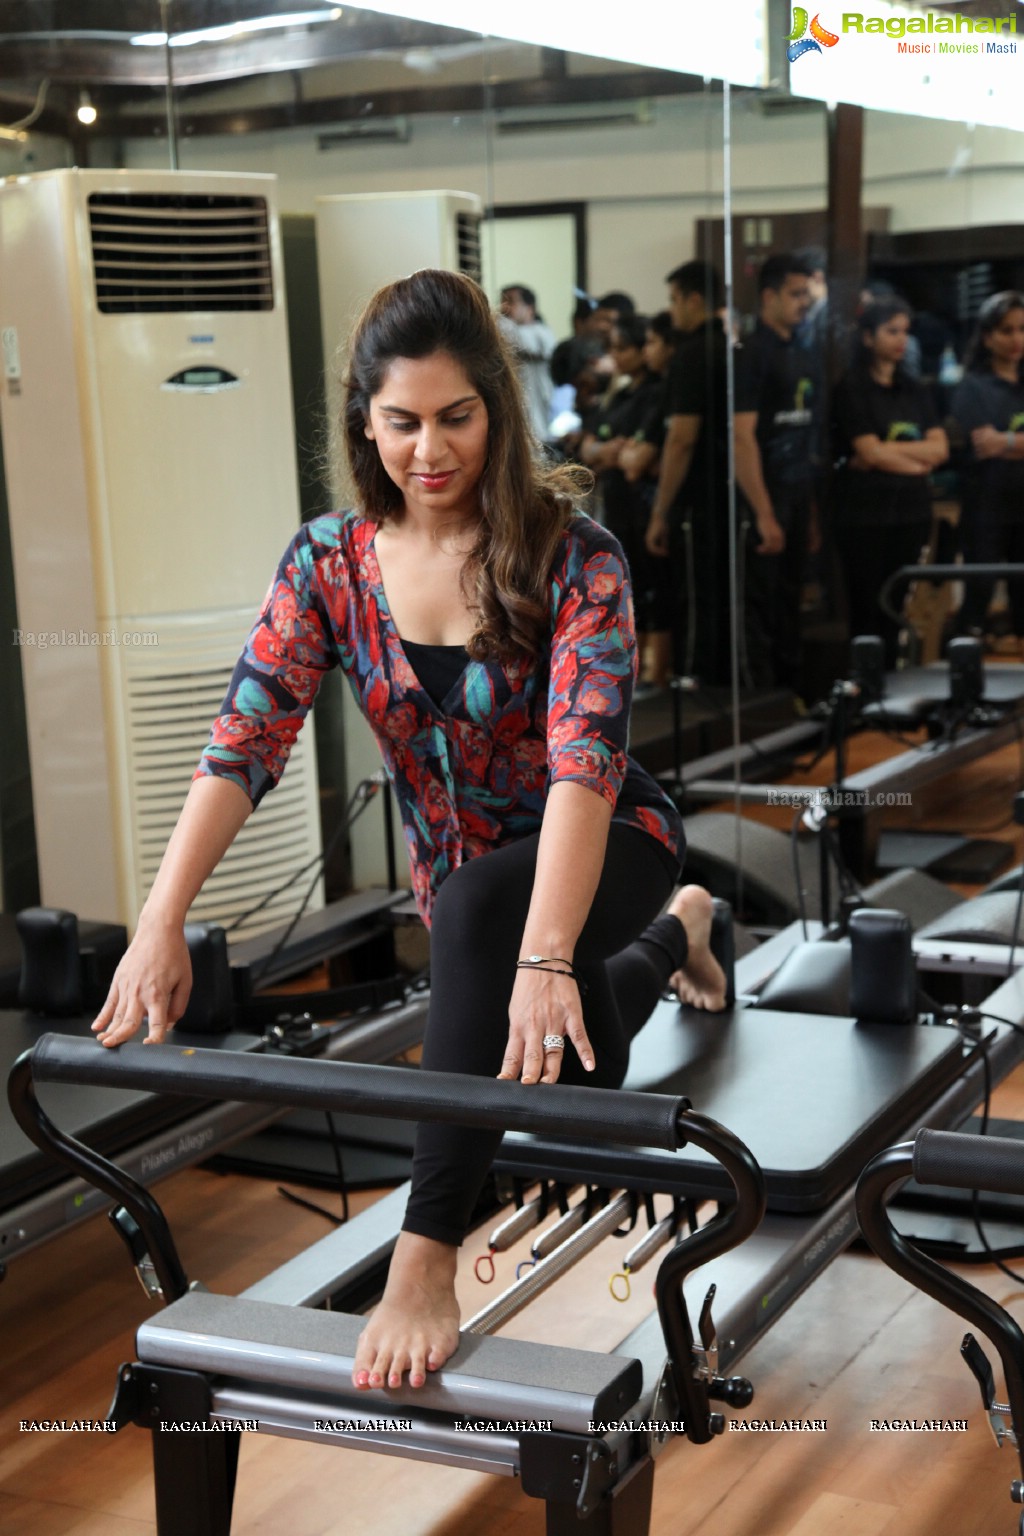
point(485, 629)
point(889, 442)
point(632, 412)
point(989, 405)
point(639, 457)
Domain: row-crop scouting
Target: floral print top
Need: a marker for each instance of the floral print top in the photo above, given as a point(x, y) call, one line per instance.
point(471, 774)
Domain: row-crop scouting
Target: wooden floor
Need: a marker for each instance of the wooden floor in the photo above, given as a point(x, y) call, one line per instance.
point(860, 1345)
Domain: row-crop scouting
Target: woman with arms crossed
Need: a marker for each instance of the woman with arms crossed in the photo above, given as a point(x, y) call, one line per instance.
point(989, 405)
point(486, 630)
point(890, 440)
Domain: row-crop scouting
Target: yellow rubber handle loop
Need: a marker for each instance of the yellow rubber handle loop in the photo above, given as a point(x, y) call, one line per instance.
point(623, 1274)
point(485, 1258)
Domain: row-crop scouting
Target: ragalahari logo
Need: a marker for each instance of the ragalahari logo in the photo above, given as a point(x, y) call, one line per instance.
point(800, 43)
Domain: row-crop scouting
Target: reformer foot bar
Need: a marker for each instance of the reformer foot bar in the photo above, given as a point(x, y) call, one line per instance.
point(218, 1359)
point(956, 1161)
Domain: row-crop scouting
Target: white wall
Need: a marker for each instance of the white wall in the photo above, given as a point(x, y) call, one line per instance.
point(943, 175)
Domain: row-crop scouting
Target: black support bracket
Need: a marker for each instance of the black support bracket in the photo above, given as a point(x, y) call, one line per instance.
point(566, 1469)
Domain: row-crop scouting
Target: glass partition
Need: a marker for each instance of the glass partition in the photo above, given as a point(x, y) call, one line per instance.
point(885, 148)
point(594, 174)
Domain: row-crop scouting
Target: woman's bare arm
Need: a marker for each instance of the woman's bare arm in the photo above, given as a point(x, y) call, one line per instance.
point(154, 977)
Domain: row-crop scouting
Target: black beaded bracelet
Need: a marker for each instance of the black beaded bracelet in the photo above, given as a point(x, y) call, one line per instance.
point(548, 963)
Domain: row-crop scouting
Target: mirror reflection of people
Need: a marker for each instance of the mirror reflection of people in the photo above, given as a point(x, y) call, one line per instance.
point(890, 441)
point(878, 291)
point(813, 330)
point(689, 517)
point(534, 342)
point(485, 627)
point(640, 462)
point(775, 430)
point(628, 415)
point(989, 405)
point(586, 347)
point(613, 307)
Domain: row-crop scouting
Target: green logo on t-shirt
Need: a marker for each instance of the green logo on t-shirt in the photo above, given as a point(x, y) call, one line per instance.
point(1016, 422)
point(904, 432)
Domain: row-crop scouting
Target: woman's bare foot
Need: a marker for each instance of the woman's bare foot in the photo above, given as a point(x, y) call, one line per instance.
point(701, 982)
point(415, 1325)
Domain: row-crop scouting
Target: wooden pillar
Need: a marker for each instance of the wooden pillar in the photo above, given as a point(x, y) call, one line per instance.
point(846, 249)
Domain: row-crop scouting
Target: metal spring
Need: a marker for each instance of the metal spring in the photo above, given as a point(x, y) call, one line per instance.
point(548, 1270)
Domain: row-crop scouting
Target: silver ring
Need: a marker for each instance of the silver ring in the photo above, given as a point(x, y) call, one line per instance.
point(554, 1042)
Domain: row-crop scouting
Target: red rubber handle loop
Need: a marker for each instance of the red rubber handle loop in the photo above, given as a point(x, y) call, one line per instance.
point(485, 1258)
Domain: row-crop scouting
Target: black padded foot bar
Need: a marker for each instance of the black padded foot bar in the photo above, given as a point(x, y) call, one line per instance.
point(969, 1162)
point(635, 1119)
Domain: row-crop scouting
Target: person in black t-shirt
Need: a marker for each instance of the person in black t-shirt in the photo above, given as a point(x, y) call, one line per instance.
point(989, 405)
point(586, 346)
point(889, 441)
point(776, 430)
point(689, 519)
point(640, 461)
point(630, 412)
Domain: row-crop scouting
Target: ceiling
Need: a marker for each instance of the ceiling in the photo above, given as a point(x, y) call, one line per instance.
point(354, 66)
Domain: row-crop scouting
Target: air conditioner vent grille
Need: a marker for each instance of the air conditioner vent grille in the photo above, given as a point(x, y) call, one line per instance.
point(168, 252)
point(467, 231)
point(167, 716)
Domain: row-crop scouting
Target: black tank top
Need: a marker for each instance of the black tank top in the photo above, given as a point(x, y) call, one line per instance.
point(438, 667)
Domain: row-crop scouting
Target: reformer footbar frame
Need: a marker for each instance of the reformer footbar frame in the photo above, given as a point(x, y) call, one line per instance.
point(954, 1160)
point(213, 1359)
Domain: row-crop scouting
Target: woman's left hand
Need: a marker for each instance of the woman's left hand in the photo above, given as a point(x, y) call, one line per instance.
point(543, 1003)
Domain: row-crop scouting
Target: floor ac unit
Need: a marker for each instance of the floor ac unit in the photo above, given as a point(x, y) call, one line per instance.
point(363, 241)
point(150, 465)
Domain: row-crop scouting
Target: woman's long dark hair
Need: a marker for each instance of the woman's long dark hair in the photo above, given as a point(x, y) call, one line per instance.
point(871, 317)
point(525, 505)
point(978, 358)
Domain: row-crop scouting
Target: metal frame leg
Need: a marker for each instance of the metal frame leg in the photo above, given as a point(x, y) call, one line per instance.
point(194, 1469)
point(194, 1480)
point(625, 1511)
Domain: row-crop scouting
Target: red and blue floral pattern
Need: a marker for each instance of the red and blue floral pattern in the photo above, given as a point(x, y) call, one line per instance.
point(475, 774)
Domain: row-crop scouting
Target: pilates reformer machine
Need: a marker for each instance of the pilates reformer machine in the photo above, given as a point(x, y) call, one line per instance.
point(65, 969)
point(211, 1359)
point(809, 1089)
point(969, 709)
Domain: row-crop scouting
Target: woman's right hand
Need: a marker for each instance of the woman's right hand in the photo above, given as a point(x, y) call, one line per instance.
point(153, 981)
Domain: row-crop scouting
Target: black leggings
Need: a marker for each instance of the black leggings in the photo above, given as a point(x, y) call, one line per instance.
point(991, 533)
point(870, 552)
point(625, 954)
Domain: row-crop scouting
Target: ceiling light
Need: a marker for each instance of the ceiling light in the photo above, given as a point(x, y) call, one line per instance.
point(86, 111)
point(230, 30)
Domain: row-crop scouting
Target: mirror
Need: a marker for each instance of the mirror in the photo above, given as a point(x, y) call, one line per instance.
point(595, 175)
point(905, 209)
